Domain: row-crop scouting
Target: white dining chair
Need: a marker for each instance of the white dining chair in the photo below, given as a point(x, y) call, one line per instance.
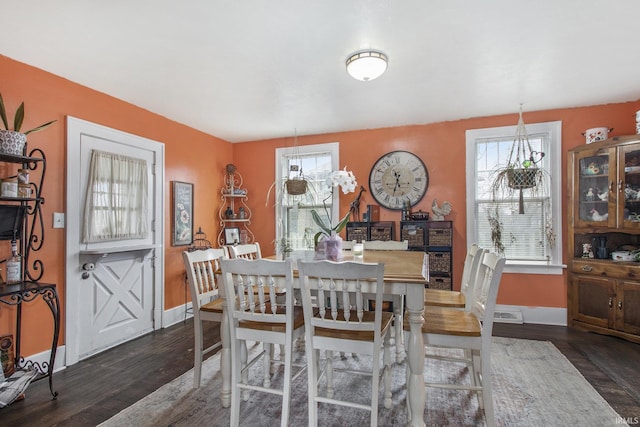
point(385, 245)
point(458, 299)
point(471, 331)
point(255, 314)
point(201, 266)
point(338, 322)
point(246, 251)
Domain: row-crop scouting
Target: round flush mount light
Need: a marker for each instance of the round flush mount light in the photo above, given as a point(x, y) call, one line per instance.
point(367, 65)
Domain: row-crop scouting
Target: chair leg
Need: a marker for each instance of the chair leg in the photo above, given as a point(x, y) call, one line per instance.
point(375, 388)
point(487, 394)
point(312, 383)
point(243, 362)
point(235, 390)
point(266, 371)
point(398, 309)
point(329, 368)
point(287, 356)
point(197, 352)
point(387, 371)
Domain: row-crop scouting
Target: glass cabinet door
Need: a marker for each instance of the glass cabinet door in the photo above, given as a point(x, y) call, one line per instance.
point(629, 211)
point(594, 193)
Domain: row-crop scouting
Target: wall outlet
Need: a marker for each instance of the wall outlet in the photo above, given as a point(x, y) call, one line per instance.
point(58, 220)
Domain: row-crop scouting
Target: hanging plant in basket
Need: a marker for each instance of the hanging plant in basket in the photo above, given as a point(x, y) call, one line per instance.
point(522, 173)
point(296, 185)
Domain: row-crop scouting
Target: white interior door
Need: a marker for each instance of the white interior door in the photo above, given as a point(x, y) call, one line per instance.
point(113, 289)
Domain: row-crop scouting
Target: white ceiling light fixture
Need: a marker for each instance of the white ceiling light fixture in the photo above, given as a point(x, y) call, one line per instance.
point(367, 65)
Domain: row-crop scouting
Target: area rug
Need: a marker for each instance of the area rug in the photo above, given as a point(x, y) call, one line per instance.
point(534, 385)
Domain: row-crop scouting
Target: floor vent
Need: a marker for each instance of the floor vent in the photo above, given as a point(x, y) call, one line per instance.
point(508, 317)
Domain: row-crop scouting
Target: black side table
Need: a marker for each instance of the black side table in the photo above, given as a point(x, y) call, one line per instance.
point(20, 293)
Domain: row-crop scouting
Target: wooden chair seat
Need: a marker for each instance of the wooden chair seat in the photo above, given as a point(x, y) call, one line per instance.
point(368, 316)
point(444, 298)
point(298, 321)
point(449, 321)
point(215, 306)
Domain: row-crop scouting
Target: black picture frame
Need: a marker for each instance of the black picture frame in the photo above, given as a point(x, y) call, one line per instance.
point(182, 222)
point(232, 235)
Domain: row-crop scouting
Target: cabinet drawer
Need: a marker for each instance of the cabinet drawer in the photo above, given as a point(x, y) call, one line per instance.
point(606, 269)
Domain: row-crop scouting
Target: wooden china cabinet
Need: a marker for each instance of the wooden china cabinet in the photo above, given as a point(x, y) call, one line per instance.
point(604, 216)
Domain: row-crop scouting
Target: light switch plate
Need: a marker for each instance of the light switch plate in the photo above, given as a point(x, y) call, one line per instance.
point(58, 220)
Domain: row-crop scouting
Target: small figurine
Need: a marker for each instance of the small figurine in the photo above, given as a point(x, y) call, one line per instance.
point(604, 196)
point(590, 195)
point(242, 214)
point(587, 251)
point(229, 213)
point(595, 215)
point(440, 211)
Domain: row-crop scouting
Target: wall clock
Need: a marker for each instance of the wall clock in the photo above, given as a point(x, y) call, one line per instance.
point(396, 177)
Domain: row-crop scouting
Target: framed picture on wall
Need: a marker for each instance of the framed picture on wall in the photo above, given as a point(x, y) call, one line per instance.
point(232, 235)
point(182, 223)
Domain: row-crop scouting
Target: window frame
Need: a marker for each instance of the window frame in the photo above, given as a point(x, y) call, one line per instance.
point(554, 157)
point(281, 154)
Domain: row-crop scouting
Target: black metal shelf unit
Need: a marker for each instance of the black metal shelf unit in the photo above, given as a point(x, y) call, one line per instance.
point(21, 218)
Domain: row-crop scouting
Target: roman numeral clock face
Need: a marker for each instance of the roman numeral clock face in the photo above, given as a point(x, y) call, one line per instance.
point(396, 177)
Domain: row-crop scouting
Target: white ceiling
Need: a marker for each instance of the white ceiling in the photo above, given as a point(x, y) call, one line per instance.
point(257, 69)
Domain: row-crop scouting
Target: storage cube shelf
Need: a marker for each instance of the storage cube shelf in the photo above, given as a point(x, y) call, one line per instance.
point(435, 238)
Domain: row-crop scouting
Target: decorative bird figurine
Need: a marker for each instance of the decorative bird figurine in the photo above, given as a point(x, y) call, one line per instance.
point(604, 196)
point(595, 215)
point(440, 211)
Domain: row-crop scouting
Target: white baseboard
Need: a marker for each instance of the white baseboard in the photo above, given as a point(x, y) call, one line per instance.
point(536, 315)
point(176, 315)
point(43, 357)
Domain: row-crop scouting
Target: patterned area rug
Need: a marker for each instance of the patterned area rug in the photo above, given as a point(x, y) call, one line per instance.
point(534, 385)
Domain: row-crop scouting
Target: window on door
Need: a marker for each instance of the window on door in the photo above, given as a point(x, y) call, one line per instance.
point(295, 227)
point(528, 238)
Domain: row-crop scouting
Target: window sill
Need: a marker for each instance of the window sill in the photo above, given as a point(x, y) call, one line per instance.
point(523, 267)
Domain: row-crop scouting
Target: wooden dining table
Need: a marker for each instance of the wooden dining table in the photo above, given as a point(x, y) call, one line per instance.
point(405, 274)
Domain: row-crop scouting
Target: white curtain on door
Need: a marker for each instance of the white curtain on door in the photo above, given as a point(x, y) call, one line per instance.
point(116, 204)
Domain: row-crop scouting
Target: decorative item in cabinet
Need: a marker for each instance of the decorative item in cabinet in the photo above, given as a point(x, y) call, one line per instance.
point(416, 233)
point(358, 231)
point(382, 230)
point(234, 213)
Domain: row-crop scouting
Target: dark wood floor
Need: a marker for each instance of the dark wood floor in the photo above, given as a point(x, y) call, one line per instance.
point(97, 388)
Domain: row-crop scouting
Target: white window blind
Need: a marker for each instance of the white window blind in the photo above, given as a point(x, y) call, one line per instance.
point(116, 204)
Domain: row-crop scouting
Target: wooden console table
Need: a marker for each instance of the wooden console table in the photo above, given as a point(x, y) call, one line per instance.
point(20, 293)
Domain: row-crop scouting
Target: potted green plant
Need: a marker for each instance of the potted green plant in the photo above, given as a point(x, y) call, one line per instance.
point(12, 141)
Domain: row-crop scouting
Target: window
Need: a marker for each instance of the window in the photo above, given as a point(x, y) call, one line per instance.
point(116, 202)
point(526, 237)
point(295, 227)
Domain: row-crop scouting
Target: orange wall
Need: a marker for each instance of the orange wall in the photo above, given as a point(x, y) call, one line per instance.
point(442, 147)
point(193, 156)
point(190, 156)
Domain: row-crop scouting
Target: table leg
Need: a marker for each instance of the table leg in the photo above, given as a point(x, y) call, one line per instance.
point(415, 380)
